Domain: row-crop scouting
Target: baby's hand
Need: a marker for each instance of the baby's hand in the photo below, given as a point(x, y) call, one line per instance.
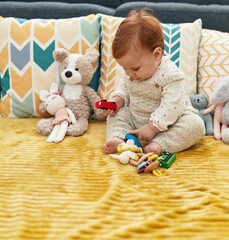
point(119, 102)
point(145, 132)
point(110, 112)
point(108, 107)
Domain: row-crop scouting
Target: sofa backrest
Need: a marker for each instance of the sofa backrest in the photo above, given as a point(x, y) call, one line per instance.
point(213, 16)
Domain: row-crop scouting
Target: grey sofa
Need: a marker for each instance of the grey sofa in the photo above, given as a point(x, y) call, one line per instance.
point(214, 13)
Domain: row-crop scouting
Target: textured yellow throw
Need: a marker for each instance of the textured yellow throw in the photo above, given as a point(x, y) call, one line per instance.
point(71, 190)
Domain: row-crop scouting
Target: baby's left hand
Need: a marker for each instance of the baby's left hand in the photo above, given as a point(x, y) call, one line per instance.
point(144, 133)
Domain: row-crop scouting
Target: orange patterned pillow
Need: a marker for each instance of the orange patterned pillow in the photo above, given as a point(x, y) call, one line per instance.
point(26, 62)
point(213, 60)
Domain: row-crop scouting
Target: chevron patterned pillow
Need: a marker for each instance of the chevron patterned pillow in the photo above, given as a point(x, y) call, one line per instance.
point(213, 60)
point(181, 44)
point(26, 62)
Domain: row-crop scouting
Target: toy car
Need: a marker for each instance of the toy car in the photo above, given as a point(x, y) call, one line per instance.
point(167, 159)
point(104, 104)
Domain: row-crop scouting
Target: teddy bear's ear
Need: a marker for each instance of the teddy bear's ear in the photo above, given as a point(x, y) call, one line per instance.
point(53, 88)
point(43, 95)
point(60, 54)
point(92, 55)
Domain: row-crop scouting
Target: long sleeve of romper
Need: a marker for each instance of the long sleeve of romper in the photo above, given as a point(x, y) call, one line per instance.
point(171, 107)
point(174, 99)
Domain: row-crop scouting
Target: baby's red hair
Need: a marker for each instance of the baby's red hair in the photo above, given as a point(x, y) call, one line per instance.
point(141, 29)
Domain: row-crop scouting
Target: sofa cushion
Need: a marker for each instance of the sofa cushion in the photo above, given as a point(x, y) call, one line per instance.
point(213, 59)
point(26, 62)
point(181, 43)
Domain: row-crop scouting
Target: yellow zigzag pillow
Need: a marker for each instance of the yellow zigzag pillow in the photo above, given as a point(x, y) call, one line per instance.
point(213, 59)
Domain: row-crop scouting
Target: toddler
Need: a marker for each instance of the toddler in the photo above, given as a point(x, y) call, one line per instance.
point(151, 98)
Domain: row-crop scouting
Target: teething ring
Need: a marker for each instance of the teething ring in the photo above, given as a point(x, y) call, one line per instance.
point(157, 173)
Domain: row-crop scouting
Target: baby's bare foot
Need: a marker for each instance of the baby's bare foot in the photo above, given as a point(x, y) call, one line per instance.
point(110, 145)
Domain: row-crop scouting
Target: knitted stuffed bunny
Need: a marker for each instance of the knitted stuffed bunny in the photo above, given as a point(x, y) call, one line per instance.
point(55, 105)
point(76, 72)
point(220, 99)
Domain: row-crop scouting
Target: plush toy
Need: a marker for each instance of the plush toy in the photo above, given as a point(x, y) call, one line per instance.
point(128, 152)
point(76, 72)
point(200, 102)
point(55, 105)
point(220, 98)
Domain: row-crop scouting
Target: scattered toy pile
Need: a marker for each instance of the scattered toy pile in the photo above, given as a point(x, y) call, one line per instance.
point(131, 152)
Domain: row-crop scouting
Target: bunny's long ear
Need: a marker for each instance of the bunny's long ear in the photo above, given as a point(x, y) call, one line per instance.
point(53, 88)
point(43, 95)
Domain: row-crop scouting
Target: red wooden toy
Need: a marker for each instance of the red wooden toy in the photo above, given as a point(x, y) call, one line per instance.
point(104, 104)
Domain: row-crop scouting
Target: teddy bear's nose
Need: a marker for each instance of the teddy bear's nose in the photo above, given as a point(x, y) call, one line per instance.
point(68, 74)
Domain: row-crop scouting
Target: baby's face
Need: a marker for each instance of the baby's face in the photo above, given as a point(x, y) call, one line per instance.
point(141, 64)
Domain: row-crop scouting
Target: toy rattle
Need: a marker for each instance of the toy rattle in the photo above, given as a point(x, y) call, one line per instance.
point(131, 136)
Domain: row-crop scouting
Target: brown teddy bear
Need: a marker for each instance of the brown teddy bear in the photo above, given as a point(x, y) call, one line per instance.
point(76, 72)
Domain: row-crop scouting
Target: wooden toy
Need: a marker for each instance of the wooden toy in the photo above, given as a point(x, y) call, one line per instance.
point(104, 104)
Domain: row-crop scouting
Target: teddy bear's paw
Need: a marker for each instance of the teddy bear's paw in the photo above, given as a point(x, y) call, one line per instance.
point(76, 130)
point(99, 115)
point(209, 132)
point(44, 126)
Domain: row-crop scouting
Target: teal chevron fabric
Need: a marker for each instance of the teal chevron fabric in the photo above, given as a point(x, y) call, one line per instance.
point(172, 38)
point(43, 58)
point(5, 83)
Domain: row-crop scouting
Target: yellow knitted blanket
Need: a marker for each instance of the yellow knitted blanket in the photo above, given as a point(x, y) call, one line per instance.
point(71, 190)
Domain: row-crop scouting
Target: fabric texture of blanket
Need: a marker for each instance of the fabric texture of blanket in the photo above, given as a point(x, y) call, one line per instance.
point(72, 190)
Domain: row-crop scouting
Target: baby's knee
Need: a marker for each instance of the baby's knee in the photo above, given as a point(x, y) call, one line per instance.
point(153, 147)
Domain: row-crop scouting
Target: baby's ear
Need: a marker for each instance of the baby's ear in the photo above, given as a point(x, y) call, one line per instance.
point(92, 55)
point(60, 54)
point(43, 95)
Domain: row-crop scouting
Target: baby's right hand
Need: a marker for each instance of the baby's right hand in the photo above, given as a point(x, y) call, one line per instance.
point(110, 112)
point(119, 102)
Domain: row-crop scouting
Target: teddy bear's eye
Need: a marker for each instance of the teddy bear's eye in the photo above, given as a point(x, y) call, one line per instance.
point(77, 69)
